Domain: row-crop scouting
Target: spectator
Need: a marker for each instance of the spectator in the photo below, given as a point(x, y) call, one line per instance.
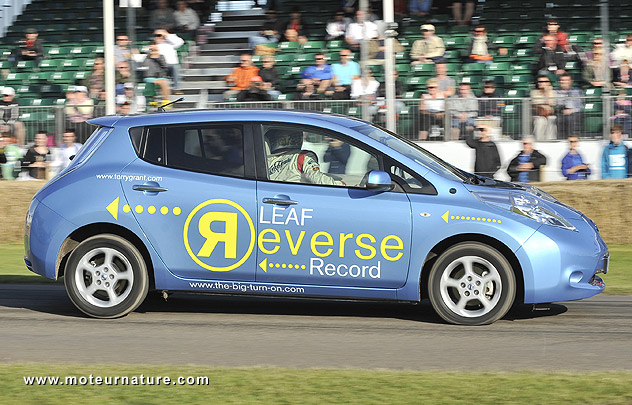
point(377, 48)
point(598, 46)
point(543, 102)
point(553, 29)
point(167, 46)
point(37, 158)
point(3, 160)
point(429, 49)
point(337, 27)
point(614, 159)
point(447, 85)
point(296, 24)
point(623, 52)
point(573, 166)
point(122, 50)
point(595, 71)
point(622, 110)
point(486, 158)
point(254, 92)
point(270, 76)
point(9, 114)
point(316, 79)
point(270, 31)
point(431, 109)
point(337, 155)
point(360, 30)
point(66, 151)
point(551, 57)
point(123, 107)
point(464, 108)
point(154, 70)
point(488, 103)
point(241, 76)
point(480, 47)
point(569, 107)
point(187, 20)
point(137, 103)
point(525, 167)
point(162, 17)
point(29, 48)
point(95, 82)
point(463, 17)
point(419, 8)
point(79, 108)
point(621, 75)
point(366, 87)
point(344, 73)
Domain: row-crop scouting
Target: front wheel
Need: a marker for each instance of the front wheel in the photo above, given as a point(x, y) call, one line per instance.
point(471, 284)
point(106, 276)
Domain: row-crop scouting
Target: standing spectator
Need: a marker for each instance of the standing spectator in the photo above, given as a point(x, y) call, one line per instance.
point(464, 108)
point(254, 92)
point(37, 158)
point(154, 70)
point(66, 151)
point(488, 103)
point(543, 102)
point(463, 17)
point(241, 76)
point(162, 17)
point(79, 108)
point(366, 87)
point(525, 167)
point(419, 8)
point(614, 159)
point(623, 51)
point(187, 20)
point(594, 71)
point(29, 48)
point(337, 28)
point(337, 155)
point(480, 47)
point(447, 85)
point(621, 75)
point(95, 82)
point(344, 73)
point(431, 109)
point(316, 79)
point(270, 31)
point(270, 76)
point(486, 158)
point(122, 50)
point(551, 57)
point(429, 49)
point(573, 166)
point(360, 30)
point(9, 114)
point(622, 109)
point(296, 24)
point(569, 107)
point(553, 29)
point(167, 46)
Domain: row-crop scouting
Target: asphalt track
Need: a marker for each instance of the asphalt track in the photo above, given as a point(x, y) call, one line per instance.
point(38, 323)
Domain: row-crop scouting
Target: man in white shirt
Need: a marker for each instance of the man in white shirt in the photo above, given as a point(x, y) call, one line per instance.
point(360, 30)
point(167, 44)
point(623, 51)
point(66, 151)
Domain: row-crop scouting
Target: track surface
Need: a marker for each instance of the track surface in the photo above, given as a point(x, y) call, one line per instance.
point(40, 324)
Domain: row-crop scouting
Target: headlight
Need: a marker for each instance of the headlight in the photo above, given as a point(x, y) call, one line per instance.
point(526, 205)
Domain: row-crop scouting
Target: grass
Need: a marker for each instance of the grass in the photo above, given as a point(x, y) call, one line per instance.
point(618, 280)
point(316, 386)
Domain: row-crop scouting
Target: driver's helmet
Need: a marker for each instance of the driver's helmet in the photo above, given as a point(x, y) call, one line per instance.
point(280, 140)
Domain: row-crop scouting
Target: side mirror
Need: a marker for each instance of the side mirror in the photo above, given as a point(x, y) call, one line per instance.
point(378, 180)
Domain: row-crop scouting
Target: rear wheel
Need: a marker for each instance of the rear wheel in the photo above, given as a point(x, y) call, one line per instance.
point(106, 276)
point(471, 284)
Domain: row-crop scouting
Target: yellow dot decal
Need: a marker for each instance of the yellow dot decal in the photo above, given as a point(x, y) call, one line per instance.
point(139, 209)
point(303, 267)
point(151, 209)
point(452, 217)
point(277, 265)
point(164, 210)
point(493, 220)
point(499, 221)
point(283, 265)
point(177, 211)
point(297, 266)
point(271, 265)
point(127, 208)
point(290, 266)
point(468, 218)
point(458, 217)
point(478, 219)
point(489, 220)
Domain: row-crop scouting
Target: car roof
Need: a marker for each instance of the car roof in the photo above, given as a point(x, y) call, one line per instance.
point(191, 116)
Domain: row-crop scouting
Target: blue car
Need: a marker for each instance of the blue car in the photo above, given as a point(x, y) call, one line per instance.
point(299, 204)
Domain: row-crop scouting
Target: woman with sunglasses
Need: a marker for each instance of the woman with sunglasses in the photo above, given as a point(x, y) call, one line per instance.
point(543, 102)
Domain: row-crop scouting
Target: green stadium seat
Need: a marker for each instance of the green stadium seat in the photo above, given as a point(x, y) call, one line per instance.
point(282, 59)
point(455, 43)
point(473, 68)
point(402, 68)
point(498, 68)
point(72, 64)
point(593, 92)
point(526, 40)
point(5, 64)
point(50, 64)
point(15, 79)
point(283, 97)
point(512, 124)
point(519, 80)
point(515, 93)
point(304, 59)
point(355, 111)
point(314, 46)
point(336, 45)
point(80, 76)
point(82, 51)
point(413, 94)
point(424, 69)
point(25, 65)
point(416, 82)
point(288, 46)
point(62, 77)
point(58, 52)
point(593, 120)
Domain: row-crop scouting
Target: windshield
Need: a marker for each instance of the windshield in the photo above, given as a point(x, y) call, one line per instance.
point(412, 151)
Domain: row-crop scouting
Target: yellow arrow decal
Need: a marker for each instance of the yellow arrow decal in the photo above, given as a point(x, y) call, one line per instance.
point(446, 216)
point(264, 265)
point(113, 208)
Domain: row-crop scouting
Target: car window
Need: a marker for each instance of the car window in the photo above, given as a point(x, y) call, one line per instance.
point(307, 155)
point(412, 183)
point(154, 146)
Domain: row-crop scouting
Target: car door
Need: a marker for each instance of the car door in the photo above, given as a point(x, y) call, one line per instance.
point(337, 234)
point(192, 197)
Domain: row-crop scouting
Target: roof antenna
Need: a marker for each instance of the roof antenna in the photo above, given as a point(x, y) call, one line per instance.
point(162, 107)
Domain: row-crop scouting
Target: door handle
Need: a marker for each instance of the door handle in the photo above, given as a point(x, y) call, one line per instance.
point(280, 201)
point(145, 187)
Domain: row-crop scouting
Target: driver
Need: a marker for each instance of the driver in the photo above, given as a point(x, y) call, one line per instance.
point(289, 163)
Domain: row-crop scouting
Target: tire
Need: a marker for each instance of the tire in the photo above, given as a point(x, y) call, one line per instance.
point(106, 277)
point(471, 284)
